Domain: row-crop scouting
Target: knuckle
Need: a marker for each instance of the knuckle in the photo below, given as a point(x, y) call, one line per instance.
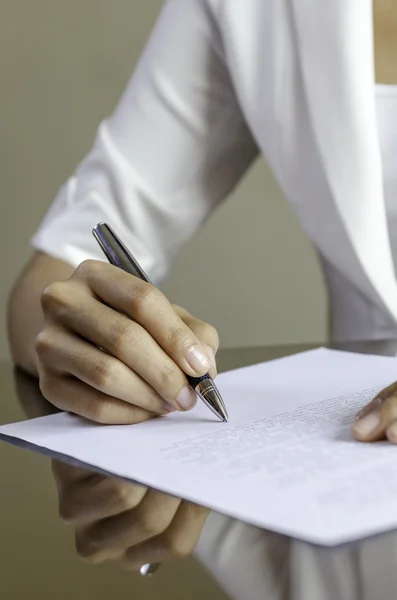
point(167, 373)
point(179, 337)
point(43, 343)
point(148, 294)
point(98, 411)
point(127, 496)
point(152, 524)
point(54, 296)
point(100, 536)
point(66, 511)
point(86, 550)
point(103, 374)
point(87, 267)
point(149, 528)
point(47, 386)
point(177, 547)
point(144, 298)
point(124, 335)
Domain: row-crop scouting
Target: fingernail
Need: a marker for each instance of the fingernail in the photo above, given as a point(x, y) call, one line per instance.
point(187, 398)
point(368, 424)
point(211, 357)
point(168, 407)
point(197, 360)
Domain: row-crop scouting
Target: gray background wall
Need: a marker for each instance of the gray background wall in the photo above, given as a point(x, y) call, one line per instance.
point(63, 66)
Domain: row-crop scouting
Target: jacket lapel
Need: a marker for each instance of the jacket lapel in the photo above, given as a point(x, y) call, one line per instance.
point(335, 47)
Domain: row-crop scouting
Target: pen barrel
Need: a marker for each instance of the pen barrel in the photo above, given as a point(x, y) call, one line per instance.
point(194, 381)
point(116, 253)
point(206, 389)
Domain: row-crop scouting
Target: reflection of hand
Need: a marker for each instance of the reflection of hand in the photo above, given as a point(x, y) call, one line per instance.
point(378, 420)
point(114, 350)
point(116, 520)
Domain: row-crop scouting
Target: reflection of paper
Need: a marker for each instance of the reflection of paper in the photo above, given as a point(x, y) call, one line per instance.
point(285, 461)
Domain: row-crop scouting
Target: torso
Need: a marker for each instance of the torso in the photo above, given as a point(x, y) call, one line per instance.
point(385, 38)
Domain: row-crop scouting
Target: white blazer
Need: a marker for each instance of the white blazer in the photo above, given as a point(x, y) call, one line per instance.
point(218, 81)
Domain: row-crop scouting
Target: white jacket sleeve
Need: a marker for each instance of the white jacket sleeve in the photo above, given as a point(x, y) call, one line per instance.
point(174, 147)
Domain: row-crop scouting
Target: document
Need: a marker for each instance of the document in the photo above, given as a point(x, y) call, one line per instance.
point(286, 460)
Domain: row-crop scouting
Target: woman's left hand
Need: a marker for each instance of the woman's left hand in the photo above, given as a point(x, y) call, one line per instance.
point(378, 420)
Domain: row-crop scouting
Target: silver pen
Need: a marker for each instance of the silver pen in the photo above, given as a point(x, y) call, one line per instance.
point(119, 256)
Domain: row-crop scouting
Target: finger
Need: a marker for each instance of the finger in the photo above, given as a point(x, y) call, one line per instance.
point(72, 395)
point(376, 402)
point(97, 498)
point(145, 304)
point(65, 474)
point(148, 519)
point(129, 342)
point(373, 426)
point(68, 354)
point(94, 555)
point(205, 333)
point(178, 541)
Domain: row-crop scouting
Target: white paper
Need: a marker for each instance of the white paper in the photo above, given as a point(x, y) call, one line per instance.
point(286, 461)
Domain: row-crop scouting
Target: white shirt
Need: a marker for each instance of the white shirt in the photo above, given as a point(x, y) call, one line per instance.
point(219, 81)
point(172, 150)
point(386, 110)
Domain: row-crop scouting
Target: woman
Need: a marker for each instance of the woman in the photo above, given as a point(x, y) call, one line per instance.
point(219, 81)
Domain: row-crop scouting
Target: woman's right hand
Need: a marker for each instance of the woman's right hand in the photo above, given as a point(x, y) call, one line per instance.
point(115, 520)
point(114, 350)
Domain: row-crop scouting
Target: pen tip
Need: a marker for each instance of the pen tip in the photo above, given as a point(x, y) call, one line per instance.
point(209, 393)
point(222, 413)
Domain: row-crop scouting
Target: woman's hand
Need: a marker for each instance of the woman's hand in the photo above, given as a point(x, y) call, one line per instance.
point(114, 350)
point(116, 520)
point(378, 420)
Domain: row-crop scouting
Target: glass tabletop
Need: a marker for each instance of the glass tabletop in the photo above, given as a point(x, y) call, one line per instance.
point(37, 550)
